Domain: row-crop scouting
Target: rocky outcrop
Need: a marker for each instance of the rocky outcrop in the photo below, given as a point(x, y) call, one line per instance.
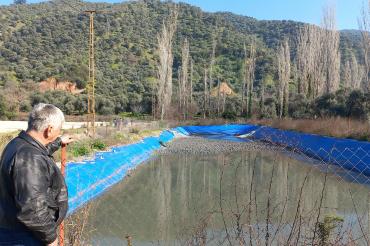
point(51, 84)
point(225, 90)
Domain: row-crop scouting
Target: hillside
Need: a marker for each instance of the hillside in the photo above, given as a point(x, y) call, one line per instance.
point(38, 41)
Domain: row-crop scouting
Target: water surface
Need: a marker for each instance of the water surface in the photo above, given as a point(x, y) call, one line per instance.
point(236, 197)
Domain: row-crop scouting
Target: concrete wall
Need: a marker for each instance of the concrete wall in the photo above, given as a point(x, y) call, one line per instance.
point(11, 126)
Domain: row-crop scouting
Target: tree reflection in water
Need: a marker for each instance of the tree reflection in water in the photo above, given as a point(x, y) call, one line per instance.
point(238, 198)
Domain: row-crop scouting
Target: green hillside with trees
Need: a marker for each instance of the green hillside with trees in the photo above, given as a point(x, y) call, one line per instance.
point(50, 39)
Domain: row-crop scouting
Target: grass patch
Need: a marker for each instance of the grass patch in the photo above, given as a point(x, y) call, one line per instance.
point(98, 144)
point(79, 150)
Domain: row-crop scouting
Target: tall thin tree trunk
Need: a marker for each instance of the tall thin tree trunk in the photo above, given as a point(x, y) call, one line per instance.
point(165, 39)
point(262, 99)
point(153, 105)
point(331, 50)
point(244, 67)
point(191, 82)
point(218, 97)
point(250, 66)
point(212, 63)
point(364, 26)
point(179, 89)
point(205, 94)
point(284, 77)
point(184, 77)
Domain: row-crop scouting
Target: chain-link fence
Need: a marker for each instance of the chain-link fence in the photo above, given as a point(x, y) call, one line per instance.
point(252, 191)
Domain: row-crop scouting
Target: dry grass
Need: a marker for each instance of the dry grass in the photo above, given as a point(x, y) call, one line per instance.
point(334, 127)
point(5, 138)
point(78, 228)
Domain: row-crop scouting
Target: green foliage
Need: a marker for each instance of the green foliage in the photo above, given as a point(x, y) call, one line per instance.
point(36, 44)
point(269, 109)
point(6, 113)
point(120, 136)
point(98, 145)
point(68, 103)
point(133, 115)
point(299, 107)
point(355, 104)
point(358, 105)
point(80, 150)
point(229, 115)
point(326, 227)
point(87, 147)
point(134, 131)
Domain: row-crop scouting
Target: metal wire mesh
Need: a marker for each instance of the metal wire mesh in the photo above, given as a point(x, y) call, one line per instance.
point(268, 193)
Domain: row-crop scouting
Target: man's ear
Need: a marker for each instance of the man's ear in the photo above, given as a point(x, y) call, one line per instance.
point(48, 131)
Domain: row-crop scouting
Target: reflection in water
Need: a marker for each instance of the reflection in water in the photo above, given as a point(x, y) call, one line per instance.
point(256, 196)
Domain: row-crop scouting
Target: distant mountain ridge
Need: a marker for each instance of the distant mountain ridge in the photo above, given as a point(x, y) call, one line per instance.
point(49, 39)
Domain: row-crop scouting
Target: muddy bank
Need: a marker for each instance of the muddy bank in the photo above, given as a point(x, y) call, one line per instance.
point(205, 146)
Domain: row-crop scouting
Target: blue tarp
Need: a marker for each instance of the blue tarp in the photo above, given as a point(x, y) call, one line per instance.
point(349, 154)
point(91, 178)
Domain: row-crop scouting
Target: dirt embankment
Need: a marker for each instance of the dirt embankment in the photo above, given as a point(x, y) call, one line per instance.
point(204, 146)
point(51, 84)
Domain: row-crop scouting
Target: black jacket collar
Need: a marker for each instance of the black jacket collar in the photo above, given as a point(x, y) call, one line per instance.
point(25, 136)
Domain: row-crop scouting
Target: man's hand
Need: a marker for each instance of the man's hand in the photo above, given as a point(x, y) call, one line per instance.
point(66, 139)
point(55, 243)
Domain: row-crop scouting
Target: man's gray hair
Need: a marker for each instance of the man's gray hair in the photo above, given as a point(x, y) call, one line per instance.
point(43, 115)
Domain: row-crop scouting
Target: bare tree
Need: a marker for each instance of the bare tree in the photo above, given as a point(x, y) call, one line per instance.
point(347, 74)
point(205, 94)
point(262, 98)
point(179, 92)
point(364, 25)
point(358, 73)
point(248, 76)
point(245, 65)
point(184, 78)
point(353, 73)
point(218, 97)
point(211, 66)
point(165, 39)
point(330, 53)
point(318, 57)
point(317, 66)
point(310, 69)
point(304, 59)
point(284, 77)
point(154, 106)
point(191, 80)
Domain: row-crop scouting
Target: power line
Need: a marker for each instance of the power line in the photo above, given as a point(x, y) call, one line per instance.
point(91, 116)
point(91, 82)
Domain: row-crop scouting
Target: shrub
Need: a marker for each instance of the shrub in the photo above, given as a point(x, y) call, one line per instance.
point(98, 145)
point(269, 108)
point(326, 227)
point(229, 115)
point(119, 136)
point(134, 130)
point(80, 150)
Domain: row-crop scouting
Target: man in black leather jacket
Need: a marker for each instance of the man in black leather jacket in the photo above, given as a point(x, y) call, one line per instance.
point(33, 193)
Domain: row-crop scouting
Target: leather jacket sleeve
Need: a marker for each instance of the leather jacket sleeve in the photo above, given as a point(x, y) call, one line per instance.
point(54, 146)
point(31, 176)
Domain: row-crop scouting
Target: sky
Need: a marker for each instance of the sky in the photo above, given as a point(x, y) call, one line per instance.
point(310, 11)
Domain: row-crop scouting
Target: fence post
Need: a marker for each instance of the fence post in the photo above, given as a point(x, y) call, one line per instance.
point(62, 167)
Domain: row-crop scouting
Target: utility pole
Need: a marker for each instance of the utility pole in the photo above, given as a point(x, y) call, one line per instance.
point(91, 82)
